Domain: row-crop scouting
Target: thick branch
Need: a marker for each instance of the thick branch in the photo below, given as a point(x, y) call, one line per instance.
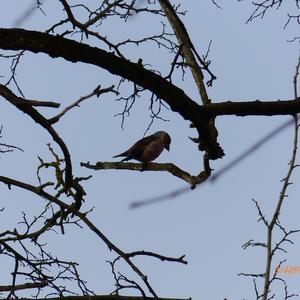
point(254, 108)
point(57, 46)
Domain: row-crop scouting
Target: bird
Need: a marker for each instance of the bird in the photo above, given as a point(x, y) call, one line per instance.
point(148, 148)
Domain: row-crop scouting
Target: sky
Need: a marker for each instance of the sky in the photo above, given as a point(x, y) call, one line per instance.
point(209, 224)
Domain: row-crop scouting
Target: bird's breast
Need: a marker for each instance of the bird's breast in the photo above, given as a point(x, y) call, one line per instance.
point(152, 151)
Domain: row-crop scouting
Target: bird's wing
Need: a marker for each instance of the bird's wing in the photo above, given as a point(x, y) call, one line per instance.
point(138, 148)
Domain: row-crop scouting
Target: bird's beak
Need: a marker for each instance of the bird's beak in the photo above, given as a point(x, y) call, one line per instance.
point(168, 147)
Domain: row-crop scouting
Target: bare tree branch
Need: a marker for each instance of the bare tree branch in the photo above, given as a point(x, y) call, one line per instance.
point(96, 92)
point(167, 167)
point(107, 297)
point(72, 208)
point(37, 117)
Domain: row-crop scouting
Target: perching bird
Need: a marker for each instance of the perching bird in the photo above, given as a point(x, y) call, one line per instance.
point(148, 148)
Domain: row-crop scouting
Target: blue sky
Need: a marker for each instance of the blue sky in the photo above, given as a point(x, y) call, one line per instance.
point(210, 224)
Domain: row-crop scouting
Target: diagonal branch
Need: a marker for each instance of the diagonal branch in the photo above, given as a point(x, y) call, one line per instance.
point(187, 47)
point(40, 119)
point(96, 92)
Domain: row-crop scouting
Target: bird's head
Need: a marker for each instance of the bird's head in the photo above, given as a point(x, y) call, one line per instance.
point(164, 136)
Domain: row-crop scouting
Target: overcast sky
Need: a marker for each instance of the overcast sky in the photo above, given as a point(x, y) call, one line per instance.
point(210, 224)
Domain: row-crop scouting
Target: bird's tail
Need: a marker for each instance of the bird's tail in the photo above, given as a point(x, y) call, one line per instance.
point(122, 155)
